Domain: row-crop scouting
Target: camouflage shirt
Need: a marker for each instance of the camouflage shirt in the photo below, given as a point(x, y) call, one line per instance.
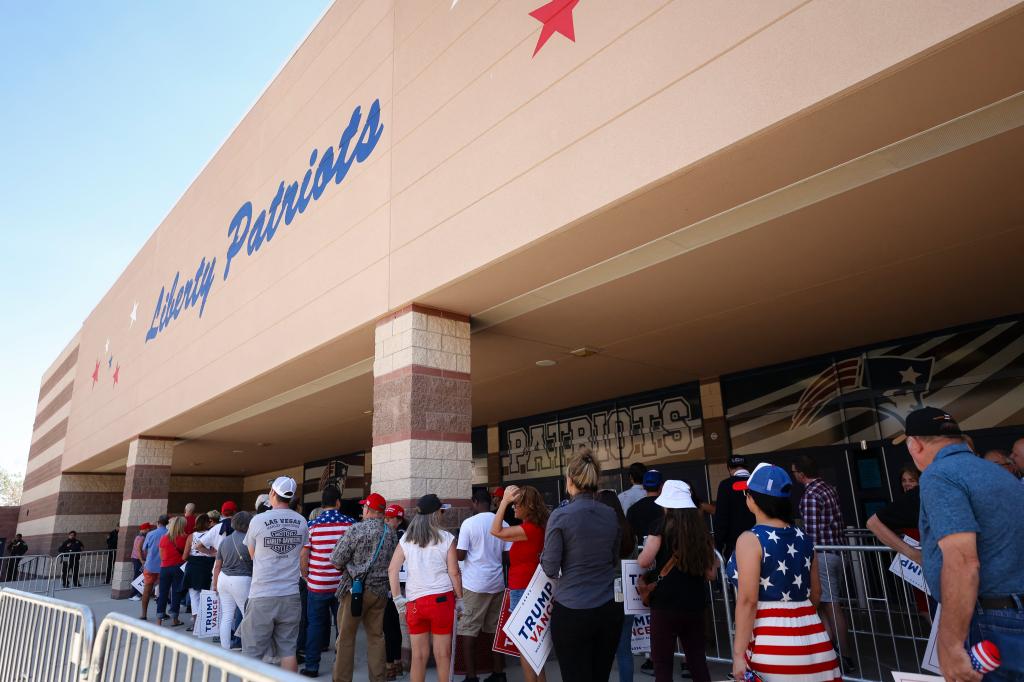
point(354, 551)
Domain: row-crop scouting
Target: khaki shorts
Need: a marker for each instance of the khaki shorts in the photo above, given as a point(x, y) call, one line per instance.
point(480, 612)
point(271, 621)
point(831, 577)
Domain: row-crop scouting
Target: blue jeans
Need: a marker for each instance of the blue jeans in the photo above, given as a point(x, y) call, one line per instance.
point(624, 655)
point(1005, 629)
point(171, 580)
point(513, 598)
point(319, 607)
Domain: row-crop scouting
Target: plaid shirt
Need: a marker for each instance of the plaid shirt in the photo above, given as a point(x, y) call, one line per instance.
point(353, 552)
point(822, 517)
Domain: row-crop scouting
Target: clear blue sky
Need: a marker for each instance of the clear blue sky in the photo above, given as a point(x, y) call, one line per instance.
point(109, 111)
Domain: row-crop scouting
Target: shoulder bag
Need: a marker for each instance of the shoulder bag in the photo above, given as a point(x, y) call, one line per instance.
point(646, 588)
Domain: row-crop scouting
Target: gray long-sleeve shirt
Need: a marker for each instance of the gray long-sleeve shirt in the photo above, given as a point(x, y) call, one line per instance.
point(582, 540)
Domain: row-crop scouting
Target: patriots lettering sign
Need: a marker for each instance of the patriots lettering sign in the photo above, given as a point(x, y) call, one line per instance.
point(977, 375)
point(647, 428)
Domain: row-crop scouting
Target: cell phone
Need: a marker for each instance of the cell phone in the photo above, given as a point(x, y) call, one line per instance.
point(442, 599)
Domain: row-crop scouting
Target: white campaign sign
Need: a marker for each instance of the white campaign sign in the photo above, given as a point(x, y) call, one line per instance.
point(931, 656)
point(208, 618)
point(139, 583)
point(640, 641)
point(529, 626)
point(908, 569)
point(632, 603)
point(914, 677)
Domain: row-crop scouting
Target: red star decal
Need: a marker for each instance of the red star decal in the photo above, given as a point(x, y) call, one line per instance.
point(96, 373)
point(117, 373)
point(556, 16)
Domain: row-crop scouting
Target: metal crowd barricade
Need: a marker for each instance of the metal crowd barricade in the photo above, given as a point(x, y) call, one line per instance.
point(29, 573)
point(42, 638)
point(81, 569)
point(128, 650)
point(887, 619)
point(720, 615)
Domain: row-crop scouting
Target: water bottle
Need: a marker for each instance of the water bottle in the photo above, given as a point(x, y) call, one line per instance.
point(619, 595)
point(984, 657)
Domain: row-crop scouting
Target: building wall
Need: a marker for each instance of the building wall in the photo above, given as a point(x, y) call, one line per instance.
point(458, 89)
point(8, 523)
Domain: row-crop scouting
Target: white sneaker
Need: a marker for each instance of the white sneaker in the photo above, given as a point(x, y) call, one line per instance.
point(135, 598)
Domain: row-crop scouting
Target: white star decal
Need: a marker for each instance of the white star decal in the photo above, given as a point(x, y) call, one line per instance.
point(766, 583)
point(909, 375)
point(808, 563)
point(773, 536)
point(791, 551)
point(782, 567)
point(134, 314)
point(798, 580)
point(799, 533)
point(735, 574)
point(786, 597)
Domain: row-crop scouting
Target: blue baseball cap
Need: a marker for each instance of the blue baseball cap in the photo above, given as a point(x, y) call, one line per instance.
point(652, 479)
point(767, 479)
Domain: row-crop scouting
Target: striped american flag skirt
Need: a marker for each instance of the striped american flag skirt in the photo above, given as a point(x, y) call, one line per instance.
point(790, 643)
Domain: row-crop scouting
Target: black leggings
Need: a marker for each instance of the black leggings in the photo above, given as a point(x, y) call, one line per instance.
point(392, 633)
point(666, 626)
point(586, 640)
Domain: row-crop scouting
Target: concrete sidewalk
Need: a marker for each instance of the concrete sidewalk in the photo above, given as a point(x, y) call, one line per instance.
point(99, 601)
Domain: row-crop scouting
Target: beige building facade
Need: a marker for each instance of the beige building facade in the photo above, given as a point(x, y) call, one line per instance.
point(430, 199)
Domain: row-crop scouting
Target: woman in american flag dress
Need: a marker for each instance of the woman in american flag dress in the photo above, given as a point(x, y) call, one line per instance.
point(779, 635)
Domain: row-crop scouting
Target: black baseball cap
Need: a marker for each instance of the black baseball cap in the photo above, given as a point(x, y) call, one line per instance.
point(430, 503)
point(929, 421)
point(737, 462)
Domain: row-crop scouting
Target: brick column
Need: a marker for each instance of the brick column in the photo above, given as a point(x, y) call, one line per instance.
point(147, 484)
point(422, 413)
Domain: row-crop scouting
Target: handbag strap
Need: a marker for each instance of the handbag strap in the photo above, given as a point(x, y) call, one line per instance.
point(376, 552)
point(667, 568)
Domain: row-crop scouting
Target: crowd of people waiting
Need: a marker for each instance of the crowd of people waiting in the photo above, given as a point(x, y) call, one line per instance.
point(284, 580)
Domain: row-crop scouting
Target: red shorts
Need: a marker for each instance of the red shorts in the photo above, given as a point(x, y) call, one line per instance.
point(150, 578)
point(434, 613)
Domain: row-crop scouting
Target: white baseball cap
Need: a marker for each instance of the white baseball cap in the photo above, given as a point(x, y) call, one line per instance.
point(675, 495)
point(284, 486)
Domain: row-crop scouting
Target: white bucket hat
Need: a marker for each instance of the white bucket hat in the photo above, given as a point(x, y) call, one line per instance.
point(675, 495)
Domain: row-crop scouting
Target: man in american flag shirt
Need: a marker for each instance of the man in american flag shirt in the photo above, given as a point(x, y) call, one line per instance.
point(322, 578)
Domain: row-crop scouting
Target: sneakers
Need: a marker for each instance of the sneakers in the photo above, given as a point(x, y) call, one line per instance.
point(648, 667)
point(305, 672)
point(496, 677)
point(135, 598)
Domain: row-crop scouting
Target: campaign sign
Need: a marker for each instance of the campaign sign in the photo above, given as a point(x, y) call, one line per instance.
point(529, 626)
point(502, 644)
point(632, 603)
point(208, 618)
point(139, 583)
point(640, 640)
point(914, 677)
point(908, 569)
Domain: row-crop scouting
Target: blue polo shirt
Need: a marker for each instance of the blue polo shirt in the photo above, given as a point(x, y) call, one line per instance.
point(152, 546)
point(963, 493)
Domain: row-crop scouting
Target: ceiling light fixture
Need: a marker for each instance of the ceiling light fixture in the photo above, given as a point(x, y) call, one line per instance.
point(583, 352)
point(367, 411)
point(545, 363)
point(237, 452)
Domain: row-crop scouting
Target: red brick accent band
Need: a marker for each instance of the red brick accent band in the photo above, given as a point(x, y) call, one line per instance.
point(65, 503)
point(59, 401)
point(59, 373)
point(49, 438)
point(125, 542)
point(424, 310)
point(409, 370)
point(147, 482)
point(422, 435)
point(42, 474)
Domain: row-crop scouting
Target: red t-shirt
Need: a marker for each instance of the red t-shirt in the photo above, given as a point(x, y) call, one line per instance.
point(171, 553)
point(190, 523)
point(525, 556)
